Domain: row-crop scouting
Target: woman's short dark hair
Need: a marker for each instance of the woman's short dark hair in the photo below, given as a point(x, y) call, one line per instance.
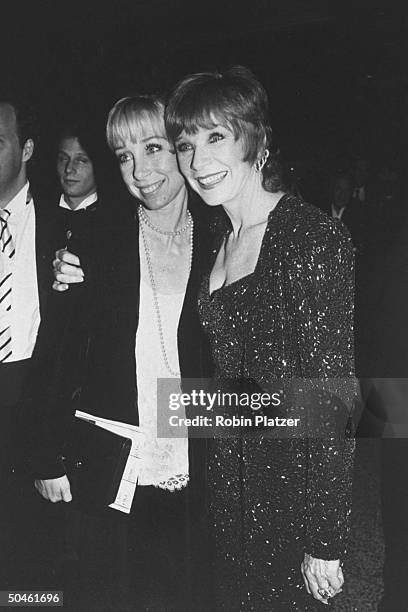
point(233, 98)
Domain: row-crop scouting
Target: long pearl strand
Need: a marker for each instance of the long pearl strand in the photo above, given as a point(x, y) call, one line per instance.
point(143, 220)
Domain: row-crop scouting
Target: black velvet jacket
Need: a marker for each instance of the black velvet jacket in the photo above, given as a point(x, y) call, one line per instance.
point(85, 355)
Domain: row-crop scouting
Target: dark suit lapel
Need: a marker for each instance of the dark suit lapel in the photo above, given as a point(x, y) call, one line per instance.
point(45, 228)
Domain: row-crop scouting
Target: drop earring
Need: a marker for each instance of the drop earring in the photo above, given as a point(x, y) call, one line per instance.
point(261, 161)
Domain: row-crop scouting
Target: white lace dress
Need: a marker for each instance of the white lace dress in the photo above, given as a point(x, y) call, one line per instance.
point(165, 460)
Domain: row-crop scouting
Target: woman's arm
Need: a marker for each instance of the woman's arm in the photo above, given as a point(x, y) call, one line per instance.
point(325, 290)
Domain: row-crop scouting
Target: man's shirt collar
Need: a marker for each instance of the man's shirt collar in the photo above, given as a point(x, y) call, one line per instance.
point(91, 199)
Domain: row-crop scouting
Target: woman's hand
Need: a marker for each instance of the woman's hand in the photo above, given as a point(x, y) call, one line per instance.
point(67, 270)
point(54, 489)
point(323, 579)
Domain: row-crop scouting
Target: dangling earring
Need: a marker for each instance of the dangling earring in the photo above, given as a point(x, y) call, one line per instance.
point(262, 161)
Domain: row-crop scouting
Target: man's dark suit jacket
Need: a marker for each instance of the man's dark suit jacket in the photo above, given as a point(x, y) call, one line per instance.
point(44, 253)
point(13, 374)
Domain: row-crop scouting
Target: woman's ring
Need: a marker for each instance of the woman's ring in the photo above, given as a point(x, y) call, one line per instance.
point(325, 593)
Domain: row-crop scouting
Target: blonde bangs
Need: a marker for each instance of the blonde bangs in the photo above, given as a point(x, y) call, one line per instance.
point(134, 118)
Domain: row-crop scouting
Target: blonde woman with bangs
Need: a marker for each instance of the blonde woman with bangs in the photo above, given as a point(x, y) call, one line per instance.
point(133, 315)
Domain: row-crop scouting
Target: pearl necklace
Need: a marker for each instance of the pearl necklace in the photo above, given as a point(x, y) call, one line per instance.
point(143, 220)
point(143, 216)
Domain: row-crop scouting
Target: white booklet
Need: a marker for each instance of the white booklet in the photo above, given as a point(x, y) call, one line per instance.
point(128, 483)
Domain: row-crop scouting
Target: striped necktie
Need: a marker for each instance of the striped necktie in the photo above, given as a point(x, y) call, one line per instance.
point(7, 252)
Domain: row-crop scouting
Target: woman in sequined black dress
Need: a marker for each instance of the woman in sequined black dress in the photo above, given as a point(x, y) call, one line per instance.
point(277, 303)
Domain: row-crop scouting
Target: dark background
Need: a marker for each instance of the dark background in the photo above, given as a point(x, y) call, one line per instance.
point(336, 72)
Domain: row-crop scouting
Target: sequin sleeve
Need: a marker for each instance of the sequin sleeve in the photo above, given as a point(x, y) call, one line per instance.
point(324, 295)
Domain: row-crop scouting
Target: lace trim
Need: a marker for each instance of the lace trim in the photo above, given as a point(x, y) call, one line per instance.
point(174, 483)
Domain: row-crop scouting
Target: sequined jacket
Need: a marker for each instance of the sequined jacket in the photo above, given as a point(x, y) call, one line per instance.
point(299, 324)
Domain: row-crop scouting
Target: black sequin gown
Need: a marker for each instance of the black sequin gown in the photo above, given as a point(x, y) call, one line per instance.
point(272, 499)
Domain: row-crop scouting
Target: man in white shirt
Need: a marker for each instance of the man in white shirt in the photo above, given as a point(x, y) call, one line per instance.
point(19, 299)
point(75, 169)
point(25, 258)
point(80, 159)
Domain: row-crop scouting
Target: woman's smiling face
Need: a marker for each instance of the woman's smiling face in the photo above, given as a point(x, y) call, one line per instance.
point(148, 165)
point(211, 159)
